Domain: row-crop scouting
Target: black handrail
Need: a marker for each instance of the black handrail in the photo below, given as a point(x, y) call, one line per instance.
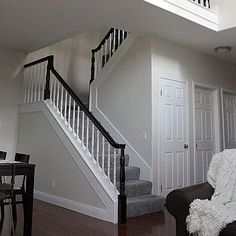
point(103, 41)
point(122, 201)
point(115, 39)
point(87, 112)
point(47, 58)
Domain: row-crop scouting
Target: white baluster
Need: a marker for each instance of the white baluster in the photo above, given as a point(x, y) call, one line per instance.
point(92, 152)
point(105, 52)
point(108, 160)
point(82, 126)
point(101, 55)
point(35, 82)
point(39, 81)
point(51, 89)
point(69, 111)
point(97, 156)
point(96, 65)
point(62, 100)
point(55, 91)
point(28, 85)
point(103, 152)
point(73, 118)
point(26, 77)
point(114, 169)
point(43, 83)
point(77, 130)
point(58, 92)
point(32, 85)
point(65, 109)
point(87, 133)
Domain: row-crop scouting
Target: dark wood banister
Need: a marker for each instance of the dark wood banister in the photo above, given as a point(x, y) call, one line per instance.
point(122, 199)
point(103, 41)
point(47, 58)
point(87, 112)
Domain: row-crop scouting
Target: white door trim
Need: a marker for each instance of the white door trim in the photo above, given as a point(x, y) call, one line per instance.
point(216, 110)
point(177, 79)
point(222, 91)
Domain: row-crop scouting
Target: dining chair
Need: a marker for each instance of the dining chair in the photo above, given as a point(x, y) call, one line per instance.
point(3, 155)
point(19, 189)
point(6, 194)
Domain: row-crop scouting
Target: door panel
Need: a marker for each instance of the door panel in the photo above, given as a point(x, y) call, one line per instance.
point(229, 112)
point(204, 132)
point(173, 135)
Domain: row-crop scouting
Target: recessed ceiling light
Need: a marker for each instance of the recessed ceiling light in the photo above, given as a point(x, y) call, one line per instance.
point(223, 49)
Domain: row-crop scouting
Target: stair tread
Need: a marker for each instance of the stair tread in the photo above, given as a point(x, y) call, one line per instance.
point(136, 182)
point(127, 168)
point(144, 198)
point(145, 204)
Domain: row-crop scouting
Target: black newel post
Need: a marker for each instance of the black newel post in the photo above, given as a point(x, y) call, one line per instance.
point(47, 86)
point(92, 67)
point(122, 201)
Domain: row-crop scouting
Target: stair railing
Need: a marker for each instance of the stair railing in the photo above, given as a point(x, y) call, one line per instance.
point(43, 82)
point(204, 3)
point(104, 51)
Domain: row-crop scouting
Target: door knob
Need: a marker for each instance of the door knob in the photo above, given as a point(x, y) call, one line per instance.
point(185, 145)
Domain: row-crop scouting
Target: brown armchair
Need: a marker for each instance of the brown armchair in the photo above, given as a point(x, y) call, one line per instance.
point(178, 201)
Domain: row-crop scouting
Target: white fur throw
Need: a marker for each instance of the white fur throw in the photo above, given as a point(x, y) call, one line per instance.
point(207, 218)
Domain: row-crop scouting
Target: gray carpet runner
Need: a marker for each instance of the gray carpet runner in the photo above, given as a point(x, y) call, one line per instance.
point(140, 200)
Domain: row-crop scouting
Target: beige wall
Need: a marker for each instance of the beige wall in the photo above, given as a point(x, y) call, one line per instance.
point(11, 63)
point(56, 171)
point(125, 97)
point(73, 59)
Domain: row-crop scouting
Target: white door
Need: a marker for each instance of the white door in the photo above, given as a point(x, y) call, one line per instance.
point(204, 132)
point(174, 146)
point(229, 112)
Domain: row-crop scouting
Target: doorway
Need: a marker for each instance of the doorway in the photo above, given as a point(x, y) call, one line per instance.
point(205, 141)
point(229, 119)
point(173, 136)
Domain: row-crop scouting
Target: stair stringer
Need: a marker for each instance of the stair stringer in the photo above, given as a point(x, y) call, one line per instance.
point(97, 179)
point(135, 157)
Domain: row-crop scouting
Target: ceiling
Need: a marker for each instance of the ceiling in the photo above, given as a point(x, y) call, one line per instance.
point(27, 25)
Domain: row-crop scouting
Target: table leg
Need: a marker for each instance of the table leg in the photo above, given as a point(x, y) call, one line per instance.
point(29, 202)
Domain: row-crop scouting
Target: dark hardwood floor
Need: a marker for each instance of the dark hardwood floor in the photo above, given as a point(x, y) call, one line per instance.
point(50, 220)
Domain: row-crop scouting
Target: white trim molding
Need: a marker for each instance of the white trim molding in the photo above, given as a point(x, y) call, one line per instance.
point(72, 205)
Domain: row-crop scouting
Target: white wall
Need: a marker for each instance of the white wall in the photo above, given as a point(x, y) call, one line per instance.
point(11, 63)
point(73, 59)
point(226, 13)
point(124, 97)
point(186, 64)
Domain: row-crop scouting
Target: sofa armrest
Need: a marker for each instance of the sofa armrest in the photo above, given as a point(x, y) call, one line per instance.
point(178, 201)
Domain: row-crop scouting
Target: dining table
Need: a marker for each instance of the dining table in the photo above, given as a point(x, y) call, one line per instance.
point(27, 170)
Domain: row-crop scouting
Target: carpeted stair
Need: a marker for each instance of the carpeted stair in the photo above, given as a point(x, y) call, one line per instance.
point(140, 200)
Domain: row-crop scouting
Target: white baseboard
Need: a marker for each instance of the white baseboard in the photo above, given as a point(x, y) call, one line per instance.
point(97, 180)
point(72, 205)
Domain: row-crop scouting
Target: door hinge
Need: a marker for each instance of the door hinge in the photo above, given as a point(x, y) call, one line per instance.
point(161, 92)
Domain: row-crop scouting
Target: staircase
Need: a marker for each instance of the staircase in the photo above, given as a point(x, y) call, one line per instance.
point(43, 82)
point(140, 201)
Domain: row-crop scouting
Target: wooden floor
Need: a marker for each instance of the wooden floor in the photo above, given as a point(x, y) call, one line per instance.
point(50, 220)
